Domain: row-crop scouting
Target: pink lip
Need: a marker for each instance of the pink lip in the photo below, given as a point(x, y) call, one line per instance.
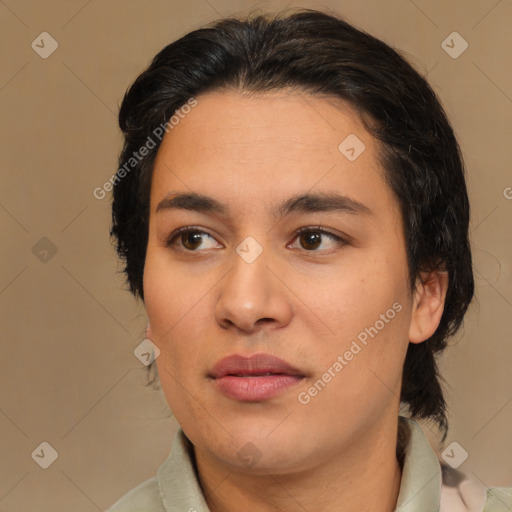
point(243, 378)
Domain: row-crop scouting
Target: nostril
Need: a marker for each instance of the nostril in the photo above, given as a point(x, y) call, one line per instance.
point(265, 320)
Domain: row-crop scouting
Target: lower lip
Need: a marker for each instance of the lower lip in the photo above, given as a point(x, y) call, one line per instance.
point(255, 388)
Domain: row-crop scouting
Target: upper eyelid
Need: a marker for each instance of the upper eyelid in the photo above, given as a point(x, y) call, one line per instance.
point(320, 229)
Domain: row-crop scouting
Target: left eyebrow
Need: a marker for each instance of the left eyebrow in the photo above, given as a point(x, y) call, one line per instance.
point(322, 202)
point(300, 203)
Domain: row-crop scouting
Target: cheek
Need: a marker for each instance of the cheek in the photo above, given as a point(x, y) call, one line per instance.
point(368, 309)
point(369, 315)
point(356, 298)
point(169, 294)
point(179, 307)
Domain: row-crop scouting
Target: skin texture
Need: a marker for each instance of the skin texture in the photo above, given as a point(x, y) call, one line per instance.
point(300, 301)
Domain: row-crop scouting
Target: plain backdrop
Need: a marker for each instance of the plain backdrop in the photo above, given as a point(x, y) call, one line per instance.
point(69, 376)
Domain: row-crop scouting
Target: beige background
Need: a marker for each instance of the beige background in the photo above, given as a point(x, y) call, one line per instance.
point(68, 373)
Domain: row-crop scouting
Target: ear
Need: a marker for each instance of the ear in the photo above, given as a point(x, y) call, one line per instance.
point(149, 333)
point(428, 304)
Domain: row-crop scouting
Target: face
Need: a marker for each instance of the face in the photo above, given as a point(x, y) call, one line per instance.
point(295, 250)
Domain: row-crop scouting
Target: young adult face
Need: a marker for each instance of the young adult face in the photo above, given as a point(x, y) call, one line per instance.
point(304, 299)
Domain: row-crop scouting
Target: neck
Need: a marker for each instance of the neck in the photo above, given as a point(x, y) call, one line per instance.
point(365, 476)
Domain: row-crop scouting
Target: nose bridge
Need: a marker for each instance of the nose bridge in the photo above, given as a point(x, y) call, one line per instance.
point(250, 277)
point(250, 291)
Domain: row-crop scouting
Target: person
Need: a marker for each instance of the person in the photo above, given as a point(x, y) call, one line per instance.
point(291, 208)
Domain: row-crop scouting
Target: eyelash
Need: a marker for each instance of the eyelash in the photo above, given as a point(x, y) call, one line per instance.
point(310, 229)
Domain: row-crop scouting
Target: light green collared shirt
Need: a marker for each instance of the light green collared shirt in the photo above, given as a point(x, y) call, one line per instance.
point(176, 488)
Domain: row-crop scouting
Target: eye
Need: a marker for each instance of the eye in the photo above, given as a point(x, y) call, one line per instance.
point(190, 238)
point(311, 238)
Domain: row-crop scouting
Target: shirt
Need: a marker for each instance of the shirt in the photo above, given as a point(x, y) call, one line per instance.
point(176, 488)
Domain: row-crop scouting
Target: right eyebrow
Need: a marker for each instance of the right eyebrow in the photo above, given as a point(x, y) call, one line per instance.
point(193, 202)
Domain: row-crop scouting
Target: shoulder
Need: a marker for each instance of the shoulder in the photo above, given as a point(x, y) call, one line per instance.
point(174, 487)
point(461, 493)
point(145, 497)
point(499, 499)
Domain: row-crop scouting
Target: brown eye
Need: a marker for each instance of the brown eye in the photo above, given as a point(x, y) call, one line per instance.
point(318, 240)
point(310, 239)
point(191, 240)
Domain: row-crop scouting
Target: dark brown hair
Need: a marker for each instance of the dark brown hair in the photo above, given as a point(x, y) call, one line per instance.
point(320, 54)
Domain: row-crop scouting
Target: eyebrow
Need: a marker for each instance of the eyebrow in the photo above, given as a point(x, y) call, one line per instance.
point(300, 203)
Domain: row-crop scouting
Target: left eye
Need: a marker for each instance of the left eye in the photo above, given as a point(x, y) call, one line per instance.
point(311, 239)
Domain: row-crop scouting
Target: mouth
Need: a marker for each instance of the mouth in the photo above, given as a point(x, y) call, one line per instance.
point(255, 378)
point(253, 374)
point(256, 365)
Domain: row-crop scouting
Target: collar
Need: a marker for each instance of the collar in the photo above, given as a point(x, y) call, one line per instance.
point(420, 488)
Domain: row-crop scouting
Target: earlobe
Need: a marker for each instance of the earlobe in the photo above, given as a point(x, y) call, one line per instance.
point(149, 333)
point(428, 304)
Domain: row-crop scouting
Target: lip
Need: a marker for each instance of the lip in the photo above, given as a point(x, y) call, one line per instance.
point(254, 378)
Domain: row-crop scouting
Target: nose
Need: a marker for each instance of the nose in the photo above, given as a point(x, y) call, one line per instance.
point(252, 296)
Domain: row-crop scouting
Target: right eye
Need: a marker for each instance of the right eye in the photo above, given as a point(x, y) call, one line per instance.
point(189, 238)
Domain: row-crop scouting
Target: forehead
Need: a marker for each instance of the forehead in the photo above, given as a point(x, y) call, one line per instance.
point(297, 120)
point(253, 147)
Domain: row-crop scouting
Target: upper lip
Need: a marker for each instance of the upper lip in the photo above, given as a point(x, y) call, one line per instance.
point(255, 364)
